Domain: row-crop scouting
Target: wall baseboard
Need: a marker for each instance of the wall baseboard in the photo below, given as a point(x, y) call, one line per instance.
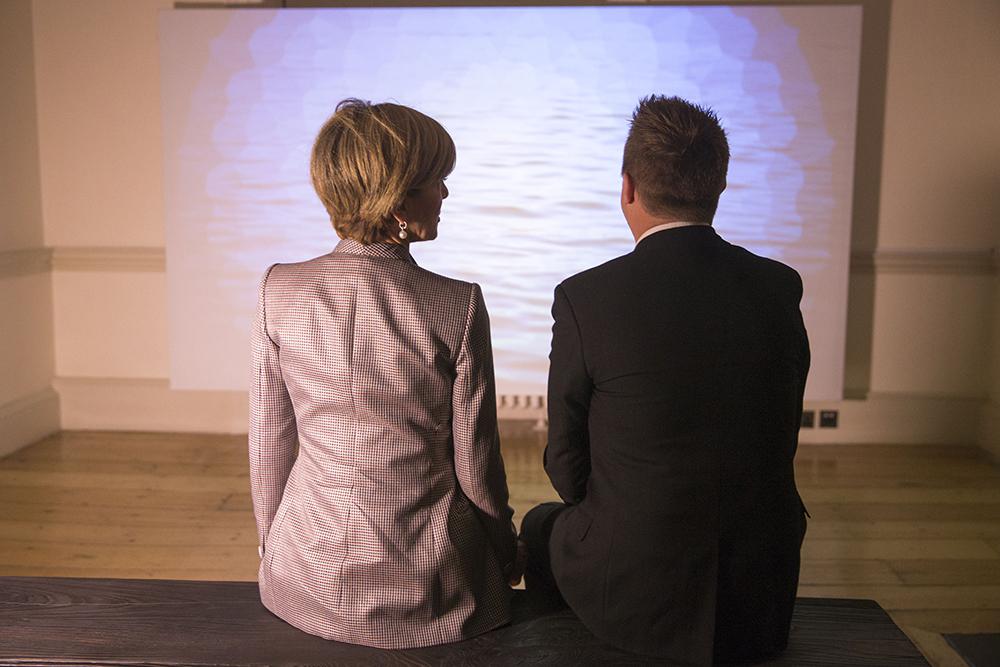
point(899, 419)
point(879, 418)
point(28, 419)
point(140, 404)
point(989, 431)
point(151, 405)
point(882, 418)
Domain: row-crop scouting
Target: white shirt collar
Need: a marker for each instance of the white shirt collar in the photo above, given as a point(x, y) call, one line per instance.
point(669, 225)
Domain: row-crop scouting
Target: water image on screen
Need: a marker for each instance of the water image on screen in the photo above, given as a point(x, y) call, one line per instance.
point(538, 100)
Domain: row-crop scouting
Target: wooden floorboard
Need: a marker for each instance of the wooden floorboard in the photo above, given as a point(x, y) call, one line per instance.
point(915, 528)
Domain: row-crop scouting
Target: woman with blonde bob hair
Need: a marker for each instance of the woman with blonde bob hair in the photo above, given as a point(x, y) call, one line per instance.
point(378, 488)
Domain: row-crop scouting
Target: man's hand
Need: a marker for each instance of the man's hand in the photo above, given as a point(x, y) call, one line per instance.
point(520, 561)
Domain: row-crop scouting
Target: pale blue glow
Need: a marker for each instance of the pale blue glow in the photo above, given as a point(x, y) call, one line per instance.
point(538, 102)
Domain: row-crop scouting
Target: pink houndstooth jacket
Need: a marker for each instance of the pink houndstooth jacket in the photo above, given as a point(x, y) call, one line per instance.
point(390, 525)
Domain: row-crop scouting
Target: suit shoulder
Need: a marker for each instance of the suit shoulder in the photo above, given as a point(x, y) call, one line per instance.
point(437, 286)
point(283, 272)
point(770, 269)
point(285, 280)
point(324, 265)
point(446, 282)
point(602, 276)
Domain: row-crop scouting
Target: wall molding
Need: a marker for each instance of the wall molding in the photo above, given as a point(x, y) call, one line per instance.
point(153, 259)
point(900, 260)
point(132, 259)
point(25, 262)
point(878, 417)
point(28, 419)
point(149, 404)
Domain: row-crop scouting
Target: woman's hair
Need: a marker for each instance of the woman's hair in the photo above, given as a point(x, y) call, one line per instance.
point(368, 156)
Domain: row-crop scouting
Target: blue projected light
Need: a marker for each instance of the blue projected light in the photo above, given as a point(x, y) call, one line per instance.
point(538, 101)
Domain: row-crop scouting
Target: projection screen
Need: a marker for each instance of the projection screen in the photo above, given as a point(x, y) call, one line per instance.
point(538, 101)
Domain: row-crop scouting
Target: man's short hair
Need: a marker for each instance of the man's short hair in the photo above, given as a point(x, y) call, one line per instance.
point(677, 155)
point(368, 156)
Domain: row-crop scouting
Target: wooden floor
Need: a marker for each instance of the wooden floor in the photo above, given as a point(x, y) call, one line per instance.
point(915, 528)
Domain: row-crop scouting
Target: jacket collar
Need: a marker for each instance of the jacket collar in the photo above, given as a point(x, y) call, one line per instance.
point(680, 234)
point(383, 250)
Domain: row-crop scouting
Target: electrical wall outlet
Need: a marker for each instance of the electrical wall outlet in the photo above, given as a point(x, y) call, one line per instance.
point(808, 418)
point(828, 419)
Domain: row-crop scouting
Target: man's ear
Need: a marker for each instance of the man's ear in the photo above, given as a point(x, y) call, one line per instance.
point(628, 189)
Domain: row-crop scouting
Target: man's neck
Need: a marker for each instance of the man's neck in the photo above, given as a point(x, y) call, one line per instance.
point(663, 226)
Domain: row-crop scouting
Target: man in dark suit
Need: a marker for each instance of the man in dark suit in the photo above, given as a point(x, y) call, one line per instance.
point(675, 397)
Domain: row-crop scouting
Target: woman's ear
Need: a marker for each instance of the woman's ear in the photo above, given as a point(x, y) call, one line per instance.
point(403, 208)
point(400, 213)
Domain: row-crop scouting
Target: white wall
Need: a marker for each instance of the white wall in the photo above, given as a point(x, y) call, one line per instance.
point(923, 285)
point(28, 407)
point(939, 194)
point(98, 114)
point(933, 332)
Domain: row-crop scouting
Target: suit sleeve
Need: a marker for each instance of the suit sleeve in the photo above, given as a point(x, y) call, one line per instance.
point(478, 464)
point(567, 454)
point(800, 357)
point(273, 435)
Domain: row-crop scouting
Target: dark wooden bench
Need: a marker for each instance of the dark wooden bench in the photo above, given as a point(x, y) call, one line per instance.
point(53, 621)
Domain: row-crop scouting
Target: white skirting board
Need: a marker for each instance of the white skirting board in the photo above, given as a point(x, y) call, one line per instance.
point(899, 419)
point(989, 430)
point(140, 404)
point(150, 405)
point(28, 419)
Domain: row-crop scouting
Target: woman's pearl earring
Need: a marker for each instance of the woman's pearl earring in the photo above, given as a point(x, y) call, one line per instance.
point(402, 229)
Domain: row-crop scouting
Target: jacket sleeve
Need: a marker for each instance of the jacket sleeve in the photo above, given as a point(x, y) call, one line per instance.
point(273, 435)
point(802, 356)
point(478, 464)
point(567, 454)
point(799, 352)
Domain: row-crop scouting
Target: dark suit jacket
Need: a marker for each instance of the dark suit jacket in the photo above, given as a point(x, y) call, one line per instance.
point(675, 396)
